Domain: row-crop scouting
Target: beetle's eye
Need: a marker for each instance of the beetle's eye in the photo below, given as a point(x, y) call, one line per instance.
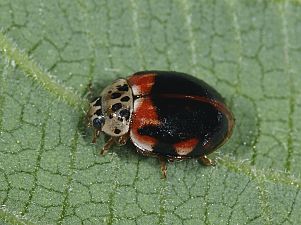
point(98, 122)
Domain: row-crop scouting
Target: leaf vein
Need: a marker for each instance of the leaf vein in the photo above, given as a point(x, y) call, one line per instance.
point(34, 71)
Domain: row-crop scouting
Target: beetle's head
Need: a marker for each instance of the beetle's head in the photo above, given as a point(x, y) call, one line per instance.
point(111, 112)
point(95, 115)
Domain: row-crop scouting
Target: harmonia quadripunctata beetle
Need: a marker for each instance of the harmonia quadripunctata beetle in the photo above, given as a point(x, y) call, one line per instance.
point(169, 115)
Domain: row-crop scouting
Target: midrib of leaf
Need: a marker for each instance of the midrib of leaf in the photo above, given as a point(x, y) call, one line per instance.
point(1, 98)
point(190, 34)
point(33, 71)
point(236, 86)
point(136, 31)
point(266, 175)
point(292, 93)
point(1, 106)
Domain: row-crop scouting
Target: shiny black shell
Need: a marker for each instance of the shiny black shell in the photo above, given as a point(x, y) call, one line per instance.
point(187, 117)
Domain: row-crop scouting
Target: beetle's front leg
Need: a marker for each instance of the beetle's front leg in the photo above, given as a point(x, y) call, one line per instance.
point(107, 146)
point(95, 135)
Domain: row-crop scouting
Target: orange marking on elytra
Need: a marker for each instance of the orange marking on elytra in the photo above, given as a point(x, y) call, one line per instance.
point(185, 147)
point(144, 114)
point(142, 84)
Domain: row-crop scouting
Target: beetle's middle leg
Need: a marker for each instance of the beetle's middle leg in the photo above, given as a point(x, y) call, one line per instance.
point(107, 146)
point(163, 166)
point(122, 140)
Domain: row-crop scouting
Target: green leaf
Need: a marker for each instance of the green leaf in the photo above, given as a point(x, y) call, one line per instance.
point(50, 51)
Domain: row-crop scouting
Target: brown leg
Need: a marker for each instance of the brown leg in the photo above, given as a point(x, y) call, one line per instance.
point(206, 161)
point(163, 167)
point(95, 136)
point(107, 146)
point(123, 139)
point(171, 160)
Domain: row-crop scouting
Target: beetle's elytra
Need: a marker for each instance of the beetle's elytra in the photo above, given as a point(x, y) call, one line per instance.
point(165, 114)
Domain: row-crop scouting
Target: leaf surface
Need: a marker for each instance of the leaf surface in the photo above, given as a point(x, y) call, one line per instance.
point(50, 51)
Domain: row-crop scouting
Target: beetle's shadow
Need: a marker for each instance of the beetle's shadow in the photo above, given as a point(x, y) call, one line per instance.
point(245, 131)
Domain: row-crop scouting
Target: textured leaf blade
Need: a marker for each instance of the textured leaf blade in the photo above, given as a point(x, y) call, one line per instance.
point(50, 173)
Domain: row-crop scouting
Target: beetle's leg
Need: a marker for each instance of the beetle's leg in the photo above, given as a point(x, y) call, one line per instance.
point(171, 160)
point(206, 161)
point(95, 135)
point(163, 167)
point(107, 146)
point(122, 140)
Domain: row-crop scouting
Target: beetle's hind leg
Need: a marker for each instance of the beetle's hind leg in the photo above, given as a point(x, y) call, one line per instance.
point(163, 166)
point(206, 161)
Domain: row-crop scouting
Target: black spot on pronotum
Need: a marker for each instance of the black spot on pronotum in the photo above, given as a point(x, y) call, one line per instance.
point(125, 113)
point(115, 95)
point(117, 131)
point(125, 99)
point(116, 106)
point(110, 116)
point(123, 87)
point(98, 112)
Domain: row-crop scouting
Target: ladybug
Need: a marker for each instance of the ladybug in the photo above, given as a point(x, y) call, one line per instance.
point(166, 114)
